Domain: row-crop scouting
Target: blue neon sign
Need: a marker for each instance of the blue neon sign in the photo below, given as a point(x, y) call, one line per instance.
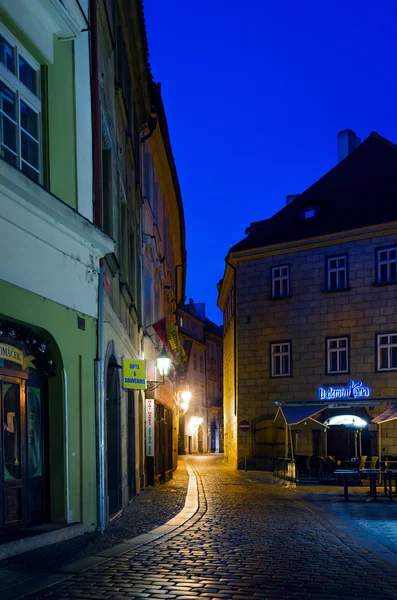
point(354, 390)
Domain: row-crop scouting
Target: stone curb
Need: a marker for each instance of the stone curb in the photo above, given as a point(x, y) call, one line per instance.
point(36, 584)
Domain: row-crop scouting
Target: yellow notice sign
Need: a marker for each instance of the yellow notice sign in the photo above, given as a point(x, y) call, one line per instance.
point(134, 374)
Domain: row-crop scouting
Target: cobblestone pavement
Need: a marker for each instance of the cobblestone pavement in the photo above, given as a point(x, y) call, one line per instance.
point(248, 539)
point(152, 507)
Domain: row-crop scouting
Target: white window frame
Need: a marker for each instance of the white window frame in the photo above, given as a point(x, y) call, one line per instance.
point(279, 276)
point(277, 351)
point(388, 262)
point(389, 345)
point(23, 93)
point(336, 270)
point(339, 350)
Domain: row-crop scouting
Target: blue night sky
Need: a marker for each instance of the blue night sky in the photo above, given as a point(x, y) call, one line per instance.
point(255, 93)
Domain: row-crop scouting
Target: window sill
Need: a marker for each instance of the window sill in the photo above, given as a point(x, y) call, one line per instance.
point(277, 298)
point(384, 284)
point(280, 376)
point(337, 373)
point(339, 291)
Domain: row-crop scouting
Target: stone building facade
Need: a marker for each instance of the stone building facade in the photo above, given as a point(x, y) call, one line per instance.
point(309, 302)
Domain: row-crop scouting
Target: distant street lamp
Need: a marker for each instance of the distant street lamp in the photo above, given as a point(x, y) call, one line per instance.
point(183, 400)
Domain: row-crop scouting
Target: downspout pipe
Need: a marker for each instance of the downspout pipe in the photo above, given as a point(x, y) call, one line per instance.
point(96, 117)
point(234, 332)
point(100, 402)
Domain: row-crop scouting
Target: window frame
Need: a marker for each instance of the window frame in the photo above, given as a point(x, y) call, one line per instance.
point(328, 356)
point(271, 355)
point(33, 101)
point(280, 278)
point(378, 335)
point(377, 264)
point(327, 273)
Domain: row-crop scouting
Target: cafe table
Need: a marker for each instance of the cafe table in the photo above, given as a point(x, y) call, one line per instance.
point(373, 475)
point(345, 474)
point(389, 476)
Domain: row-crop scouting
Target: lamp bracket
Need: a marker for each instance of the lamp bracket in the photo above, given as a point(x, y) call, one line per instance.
point(152, 385)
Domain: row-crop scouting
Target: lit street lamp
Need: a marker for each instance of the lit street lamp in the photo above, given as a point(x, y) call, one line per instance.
point(163, 363)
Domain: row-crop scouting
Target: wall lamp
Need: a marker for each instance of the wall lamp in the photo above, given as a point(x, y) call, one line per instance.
point(183, 400)
point(163, 365)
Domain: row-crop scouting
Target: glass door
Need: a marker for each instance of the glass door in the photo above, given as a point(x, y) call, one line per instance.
point(12, 412)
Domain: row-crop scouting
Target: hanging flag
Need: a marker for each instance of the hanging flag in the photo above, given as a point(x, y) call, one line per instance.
point(161, 329)
point(177, 349)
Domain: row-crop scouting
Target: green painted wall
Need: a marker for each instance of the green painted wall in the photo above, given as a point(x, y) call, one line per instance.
point(61, 124)
point(75, 353)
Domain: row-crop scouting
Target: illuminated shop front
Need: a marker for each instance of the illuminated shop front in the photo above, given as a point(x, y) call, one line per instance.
point(25, 365)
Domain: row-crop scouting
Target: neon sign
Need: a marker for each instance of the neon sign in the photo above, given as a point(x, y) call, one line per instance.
point(354, 390)
point(351, 420)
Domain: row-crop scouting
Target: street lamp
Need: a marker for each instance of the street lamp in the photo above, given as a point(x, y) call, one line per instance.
point(163, 363)
point(184, 398)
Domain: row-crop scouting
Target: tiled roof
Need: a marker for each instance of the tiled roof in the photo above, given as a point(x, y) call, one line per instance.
point(359, 191)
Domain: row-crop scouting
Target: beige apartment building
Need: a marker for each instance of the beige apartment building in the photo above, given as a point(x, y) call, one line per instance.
point(310, 317)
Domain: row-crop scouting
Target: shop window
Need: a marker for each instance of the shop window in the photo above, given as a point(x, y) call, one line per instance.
point(386, 351)
point(338, 355)
point(336, 273)
point(280, 355)
point(387, 265)
point(20, 107)
point(280, 281)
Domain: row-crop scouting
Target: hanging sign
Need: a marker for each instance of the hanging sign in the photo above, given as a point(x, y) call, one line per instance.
point(354, 390)
point(16, 355)
point(134, 374)
point(177, 349)
point(149, 427)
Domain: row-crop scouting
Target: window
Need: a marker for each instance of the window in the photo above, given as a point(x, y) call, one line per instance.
point(180, 321)
point(337, 355)
point(280, 281)
point(195, 361)
point(387, 351)
point(336, 273)
point(201, 364)
point(387, 265)
point(280, 359)
point(309, 213)
point(20, 107)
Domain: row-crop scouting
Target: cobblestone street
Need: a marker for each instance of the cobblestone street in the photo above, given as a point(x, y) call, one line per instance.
point(249, 538)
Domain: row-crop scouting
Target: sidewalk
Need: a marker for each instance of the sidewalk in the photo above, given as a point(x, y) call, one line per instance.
point(151, 508)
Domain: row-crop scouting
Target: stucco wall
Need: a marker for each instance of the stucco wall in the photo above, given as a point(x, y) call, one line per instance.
point(77, 350)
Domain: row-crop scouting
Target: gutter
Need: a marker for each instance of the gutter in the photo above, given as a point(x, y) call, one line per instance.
point(96, 117)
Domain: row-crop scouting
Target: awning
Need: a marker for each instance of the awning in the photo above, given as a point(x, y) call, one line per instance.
point(388, 415)
point(296, 414)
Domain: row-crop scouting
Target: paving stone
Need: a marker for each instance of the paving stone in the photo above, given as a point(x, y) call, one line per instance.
point(250, 538)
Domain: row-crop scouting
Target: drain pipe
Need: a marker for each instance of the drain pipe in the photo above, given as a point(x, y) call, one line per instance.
point(100, 403)
point(96, 116)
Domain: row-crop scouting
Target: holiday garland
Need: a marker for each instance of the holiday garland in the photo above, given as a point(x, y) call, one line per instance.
point(30, 343)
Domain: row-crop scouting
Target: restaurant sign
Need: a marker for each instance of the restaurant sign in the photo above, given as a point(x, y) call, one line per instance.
point(134, 374)
point(15, 355)
point(149, 427)
point(354, 390)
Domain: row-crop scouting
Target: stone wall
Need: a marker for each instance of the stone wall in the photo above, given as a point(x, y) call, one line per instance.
point(307, 318)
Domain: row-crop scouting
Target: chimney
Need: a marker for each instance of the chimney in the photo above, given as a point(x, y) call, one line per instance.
point(291, 197)
point(347, 141)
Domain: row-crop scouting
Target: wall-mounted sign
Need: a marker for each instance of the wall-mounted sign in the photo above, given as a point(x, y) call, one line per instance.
point(16, 355)
point(354, 390)
point(134, 374)
point(149, 427)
